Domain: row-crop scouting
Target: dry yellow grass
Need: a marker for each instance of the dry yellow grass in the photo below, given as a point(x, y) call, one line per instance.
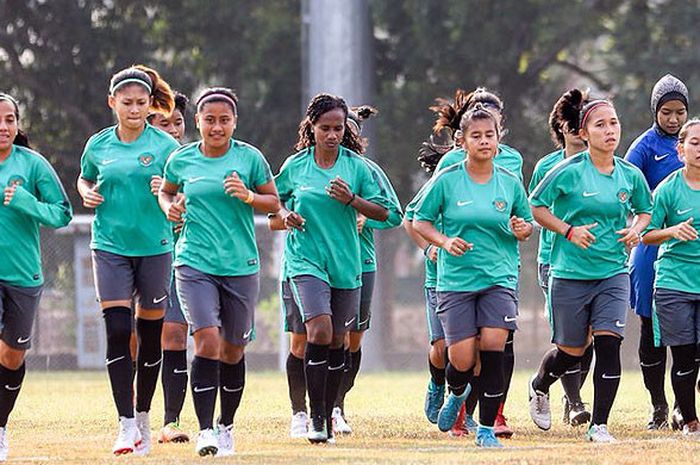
point(69, 418)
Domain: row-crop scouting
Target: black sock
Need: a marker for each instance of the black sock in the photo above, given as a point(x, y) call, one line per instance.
point(345, 383)
point(683, 380)
point(508, 365)
point(553, 366)
point(174, 380)
point(586, 361)
point(11, 381)
point(457, 381)
point(473, 397)
point(120, 366)
point(232, 382)
point(652, 361)
point(571, 382)
point(606, 376)
point(316, 371)
point(492, 386)
point(297, 383)
point(148, 360)
point(204, 380)
point(336, 364)
point(437, 374)
point(350, 376)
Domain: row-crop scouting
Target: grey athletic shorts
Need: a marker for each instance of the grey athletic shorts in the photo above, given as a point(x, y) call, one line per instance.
point(577, 304)
point(366, 292)
point(463, 313)
point(18, 307)
point(435, 331)
point(225, 302)
point(678, 313)
point(315, 297)
point(293, 319)
point(122, 278)
point(173, 312)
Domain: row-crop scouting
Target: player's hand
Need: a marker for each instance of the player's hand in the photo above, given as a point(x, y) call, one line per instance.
point(339, 190)
point(9, 194)
point(361, 220)
point(684, 231)
point(156, 182)
point(233, 185)
point(582, 236)
point(176, 210)
point(630, 237)
point(93, 198)
point(521, 228)
point(456, 246)
point(294, 220)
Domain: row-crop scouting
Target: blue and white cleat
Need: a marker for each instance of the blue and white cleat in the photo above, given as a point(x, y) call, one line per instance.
point(486, 438)
point(450, 410)
point(434, 398)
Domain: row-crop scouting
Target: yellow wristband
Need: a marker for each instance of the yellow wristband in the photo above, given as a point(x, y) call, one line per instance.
point(250, 198)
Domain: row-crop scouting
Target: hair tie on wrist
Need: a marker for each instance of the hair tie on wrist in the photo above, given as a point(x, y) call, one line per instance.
point(569, 233)
point(250, 198)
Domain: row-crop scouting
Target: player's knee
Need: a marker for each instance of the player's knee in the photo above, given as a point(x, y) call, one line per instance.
point(320, 330)
point(230, 353)
point(174, 336)
point(297, 345)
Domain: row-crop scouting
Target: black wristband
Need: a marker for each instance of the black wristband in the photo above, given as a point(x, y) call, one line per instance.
point(568, 231)
point(426, 251)
point(351, 199)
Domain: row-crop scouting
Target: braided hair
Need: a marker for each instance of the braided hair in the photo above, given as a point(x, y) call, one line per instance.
point(320, 105)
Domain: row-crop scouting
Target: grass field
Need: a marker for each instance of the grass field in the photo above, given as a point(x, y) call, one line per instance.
point(69, 418)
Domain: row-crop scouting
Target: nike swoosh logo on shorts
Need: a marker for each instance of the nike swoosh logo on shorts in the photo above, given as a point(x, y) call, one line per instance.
point(180, 372)
point(509, 319)
point(660, 157)
point(320, 362)
point(239, 389)
point(159, 300)
point(607, 376)
point(11, 388)
point(108, 162)
point(492, 396)
point(462, 203)
point(204, 389)
point(23, 340)
point(684, 373)
point(195, 179)
point(590, 194)
point(247, 334)
point(683, 212)
point(619, 324)
point(348, 323)
point(109, 362)
point(154, 364)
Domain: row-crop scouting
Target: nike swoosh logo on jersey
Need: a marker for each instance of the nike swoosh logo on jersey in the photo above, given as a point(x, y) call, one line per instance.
point(180, 372)
point(195, 179)
point(159, 300)
point(154, 364)
point(320, 362)
point(247, 334)
point(590, 194)
point(509, 319)
point(108, 162)
point(109, 362)
point(684, 373)
point(12, 388)
point(348, 323)
point(204, 389)
point(683, 212)
point(23, 340)
point(492, 396)
point(660, 157)
point(462, 203)
point(238, 389)
point(607, 376)
point(619, 324)
point(306, 188)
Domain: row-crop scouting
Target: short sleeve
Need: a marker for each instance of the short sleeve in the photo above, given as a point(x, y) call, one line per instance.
point(658, 212)
point(430, 205)
point(636, 154)
point(521, 207)
point(170, 172)
point(641, 197)
point(370, 186)
point(88, 169)
point(283, 180)
point(550, 188)
point(261, 172)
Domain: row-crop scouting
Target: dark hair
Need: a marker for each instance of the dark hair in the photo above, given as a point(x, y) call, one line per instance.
point(450, 113)
point(163, 97)
point(181, 102)
point(683, 133)
point(320, 105)
point(431, 152)
point(218, 94)
point(565, 111)
point(360, 114)
point(476, 113)
point(576, 106)
point(21, 138)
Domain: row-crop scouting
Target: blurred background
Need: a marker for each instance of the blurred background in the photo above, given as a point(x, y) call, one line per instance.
point(56, 58)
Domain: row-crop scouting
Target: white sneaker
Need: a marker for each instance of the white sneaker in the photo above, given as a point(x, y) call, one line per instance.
point(600, 434)
point(4, 448)
point(227, 442)
point(207, 443)
point(687, 432)
point(299, 427)
point(540, 412)
point(340, 426)
point(128, 438)
point(143, 423)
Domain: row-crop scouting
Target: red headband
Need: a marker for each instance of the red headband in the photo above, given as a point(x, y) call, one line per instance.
point(593, 106)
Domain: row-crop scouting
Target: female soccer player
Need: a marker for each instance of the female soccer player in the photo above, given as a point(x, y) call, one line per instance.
point(484, 214)
point(654, 153)
point(326, 184)
point(569, 143)
point(174, 337)
point(674, 225)
point(586, 200)
point(32, 196)
point(131, 241)
point(216, 257)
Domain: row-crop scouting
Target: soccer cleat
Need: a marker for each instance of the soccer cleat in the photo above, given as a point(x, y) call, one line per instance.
point(318, 431)
point(539, 407)
point(486, 438)
point(677, 419)
point(331, 439)
point(450, 410)
point(599, 434)
point(128, 438)
point(4, 447)
point(340, 426)
point(459, 428)
point(227, 442)
point(143, 423)
point(565, 410)
point(434, 398)
point(659, 418)
point(692, 430)
point(578, 415)
point(501, 428)
point(207, 443)
point(471, 424)
point(299, 427)
point(172, 433)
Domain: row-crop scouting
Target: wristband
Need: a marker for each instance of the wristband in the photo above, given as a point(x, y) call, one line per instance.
point(426, 251)
point(250, 198)
point(351, 199)
point(569, 233)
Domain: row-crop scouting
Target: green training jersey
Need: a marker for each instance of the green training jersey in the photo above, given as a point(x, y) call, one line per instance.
point(480, 214)
point(430, 266)
point(507, 157)
point(329, 246)
point(678, 265)
point(367, 251)
point(129, 222)
point(542, 167)
point(39, 200)
point(218, 236)
point(578, 194)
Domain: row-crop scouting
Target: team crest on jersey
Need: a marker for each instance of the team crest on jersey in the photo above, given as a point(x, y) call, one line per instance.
point(500, 204)
point(16, 181)
point(623, 195)
point(146, 160)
